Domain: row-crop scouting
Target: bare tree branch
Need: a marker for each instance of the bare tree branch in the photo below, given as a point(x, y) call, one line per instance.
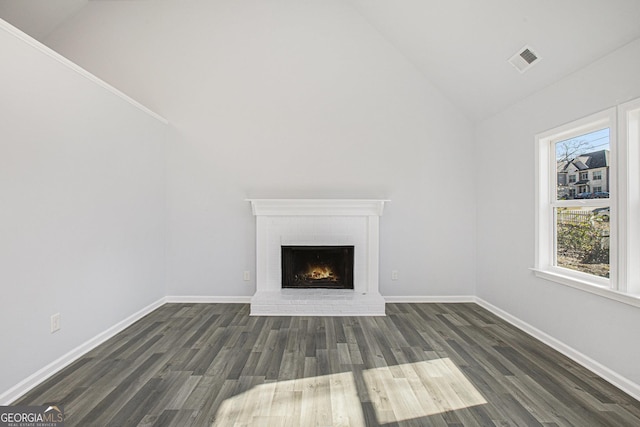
point(568, 150)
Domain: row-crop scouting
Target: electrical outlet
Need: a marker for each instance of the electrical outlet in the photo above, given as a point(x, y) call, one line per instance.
point(55, 322)
point(394, 274)
point(246, 276)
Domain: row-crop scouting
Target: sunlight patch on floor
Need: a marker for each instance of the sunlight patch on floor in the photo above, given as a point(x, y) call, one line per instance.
point(327, 400)
point(397, 393)
point(416, 390)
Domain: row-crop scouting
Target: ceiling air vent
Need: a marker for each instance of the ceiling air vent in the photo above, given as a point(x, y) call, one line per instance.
point(524, 59)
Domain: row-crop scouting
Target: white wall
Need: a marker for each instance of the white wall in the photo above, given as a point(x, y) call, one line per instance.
point(603, 330)
point(288, 99)
point(82, 208)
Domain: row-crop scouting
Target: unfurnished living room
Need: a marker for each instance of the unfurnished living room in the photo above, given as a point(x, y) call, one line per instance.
point(320, 212)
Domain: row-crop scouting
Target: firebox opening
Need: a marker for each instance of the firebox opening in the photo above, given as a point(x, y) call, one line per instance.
point(317, 267)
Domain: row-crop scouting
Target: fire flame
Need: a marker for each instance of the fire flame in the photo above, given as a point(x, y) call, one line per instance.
point(317, 272)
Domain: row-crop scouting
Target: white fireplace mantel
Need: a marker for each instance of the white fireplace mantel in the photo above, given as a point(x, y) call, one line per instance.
point(317, 222)
point(319, 207)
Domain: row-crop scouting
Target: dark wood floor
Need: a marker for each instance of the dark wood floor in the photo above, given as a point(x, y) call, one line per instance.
point(422, 365)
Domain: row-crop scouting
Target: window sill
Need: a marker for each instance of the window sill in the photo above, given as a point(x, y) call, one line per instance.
point(573, 282)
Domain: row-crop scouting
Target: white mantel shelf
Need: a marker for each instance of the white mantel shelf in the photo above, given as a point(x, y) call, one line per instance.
point(328, 207)
point(317, 222)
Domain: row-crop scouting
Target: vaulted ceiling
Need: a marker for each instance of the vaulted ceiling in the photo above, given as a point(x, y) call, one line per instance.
point(461, 46)
point(38, 18)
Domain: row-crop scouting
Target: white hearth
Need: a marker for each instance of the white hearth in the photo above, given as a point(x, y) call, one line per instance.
point(317, 222)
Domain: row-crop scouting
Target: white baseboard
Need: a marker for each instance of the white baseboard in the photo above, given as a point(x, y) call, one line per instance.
point(429, 299)
point(208, 299)
point(609, 375)
point(247, 299)
point(38, 377)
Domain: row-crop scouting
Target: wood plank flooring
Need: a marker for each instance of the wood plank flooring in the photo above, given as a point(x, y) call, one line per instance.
point(421, 365)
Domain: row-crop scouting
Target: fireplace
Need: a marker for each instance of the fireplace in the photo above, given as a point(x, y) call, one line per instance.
point(309, 225)
point(318, 267)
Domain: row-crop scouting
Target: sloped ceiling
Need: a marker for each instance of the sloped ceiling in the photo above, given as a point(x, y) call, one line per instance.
point(461, 46)
point(38, 18)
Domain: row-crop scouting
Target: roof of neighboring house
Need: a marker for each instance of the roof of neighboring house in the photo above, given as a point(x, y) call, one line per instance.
point(598, 159)
point(580, 163)
point(593, 160)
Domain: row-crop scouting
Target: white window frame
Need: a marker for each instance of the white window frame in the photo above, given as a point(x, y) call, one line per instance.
point(624, 189)
point(593, 175)
point(546, 202)
point(629, 201)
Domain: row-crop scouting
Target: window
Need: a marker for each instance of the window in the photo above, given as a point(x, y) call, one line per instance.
point(562, 179)
point(588, 236)
point(581, 236)
point(574, 239)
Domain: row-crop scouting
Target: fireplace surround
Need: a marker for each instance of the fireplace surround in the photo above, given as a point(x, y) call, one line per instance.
point(313, 223)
